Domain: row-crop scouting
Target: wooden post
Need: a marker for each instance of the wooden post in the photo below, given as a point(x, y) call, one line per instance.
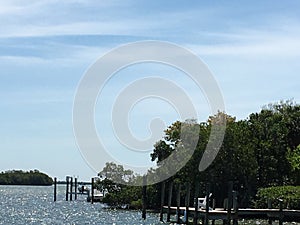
point(169, 200)
point(270, 207)
point(76, 188)
point(162, 201)
point(144, 199)
point(280, 211)
point(214, 207)
point(92, 190)
point(196, 203)
point(55, 188)
point(230, 187)
point(207, 204)
point(187, 202)
point(178, 202)
point(235, 208)
point(67, 188)
point(71, 189)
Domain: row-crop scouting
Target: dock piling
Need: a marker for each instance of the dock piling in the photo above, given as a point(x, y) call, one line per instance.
point(195, 221)
point(187, 201)
point(178, 202)
point(67, 188)
point(280, 211)
point(71, 188)
point(144, 200)
point(213, 207)
point(207, 204)
point(162, 200)
point(92, 191)
point(229, 204)
point(270, 207)
point(55, 188)
point(76, 188)
point(169, 200)
point(235, 208)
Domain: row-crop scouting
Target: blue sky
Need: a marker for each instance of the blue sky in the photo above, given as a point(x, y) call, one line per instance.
point(252, 48)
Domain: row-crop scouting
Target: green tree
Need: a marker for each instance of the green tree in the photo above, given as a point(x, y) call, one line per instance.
point(293, 156)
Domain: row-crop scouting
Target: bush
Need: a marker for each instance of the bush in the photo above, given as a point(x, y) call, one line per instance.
point(289, 194)
point(138, 204)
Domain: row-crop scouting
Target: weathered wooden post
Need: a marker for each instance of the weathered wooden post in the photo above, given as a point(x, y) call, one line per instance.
point(178, 203)
point(230, 188)
point(55, 188)
point(207, 204)
point(67, 188)
point(144, 199)
point(92, 190)
point(76, 188)
point(214, 207)
point(280, 211)
point(270, 207)
point(71, 189)
point(235, 208)
point(196, 203)
point(162, 200)
point(187, 201)
point(169, 201)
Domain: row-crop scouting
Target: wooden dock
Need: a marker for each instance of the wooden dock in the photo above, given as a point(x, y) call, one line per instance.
point(221, 214)
point(231, 214)
point(93, 195)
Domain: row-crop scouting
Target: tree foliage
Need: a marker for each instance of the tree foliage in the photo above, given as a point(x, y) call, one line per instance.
point(289, 194)
point(19, 177)
point(258, 152)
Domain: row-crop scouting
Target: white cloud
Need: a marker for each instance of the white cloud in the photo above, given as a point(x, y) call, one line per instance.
point(48, 18)
point(283, 42)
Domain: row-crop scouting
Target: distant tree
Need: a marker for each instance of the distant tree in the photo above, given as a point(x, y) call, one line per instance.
point(19, 177)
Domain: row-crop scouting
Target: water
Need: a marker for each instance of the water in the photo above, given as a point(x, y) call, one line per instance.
point(34, 205)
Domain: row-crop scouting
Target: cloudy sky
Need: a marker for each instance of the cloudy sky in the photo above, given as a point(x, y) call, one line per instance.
point(46, 46)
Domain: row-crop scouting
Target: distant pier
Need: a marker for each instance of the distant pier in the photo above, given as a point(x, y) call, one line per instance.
point(73, 189)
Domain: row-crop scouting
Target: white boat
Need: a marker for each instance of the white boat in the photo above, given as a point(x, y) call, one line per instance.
point(83, 189)
point(202, 202)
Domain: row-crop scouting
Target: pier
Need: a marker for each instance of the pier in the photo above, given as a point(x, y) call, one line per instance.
point(207, 213)
point(221, 214)
point(73, 190)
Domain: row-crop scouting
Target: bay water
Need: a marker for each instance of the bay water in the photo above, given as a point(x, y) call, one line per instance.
point(35, 205)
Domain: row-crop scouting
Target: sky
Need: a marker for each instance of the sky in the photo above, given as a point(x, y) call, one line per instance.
point(46, 46)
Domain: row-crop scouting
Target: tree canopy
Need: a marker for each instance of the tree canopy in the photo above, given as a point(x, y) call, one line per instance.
point(258, 152)
point(19, 177)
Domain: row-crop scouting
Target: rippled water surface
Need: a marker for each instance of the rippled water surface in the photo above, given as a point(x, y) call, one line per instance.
point(34, 205)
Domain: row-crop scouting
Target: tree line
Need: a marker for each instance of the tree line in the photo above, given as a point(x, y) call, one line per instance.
point(258, 152)
point(19, 177)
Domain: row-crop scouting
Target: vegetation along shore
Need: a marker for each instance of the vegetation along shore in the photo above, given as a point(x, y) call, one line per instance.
point(259, 154)
point(19, 177)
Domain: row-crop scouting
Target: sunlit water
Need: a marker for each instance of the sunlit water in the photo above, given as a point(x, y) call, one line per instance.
point(34, 205)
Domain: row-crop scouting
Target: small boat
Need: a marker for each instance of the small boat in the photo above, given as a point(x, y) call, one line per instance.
point(83, 189)
point(97, 196)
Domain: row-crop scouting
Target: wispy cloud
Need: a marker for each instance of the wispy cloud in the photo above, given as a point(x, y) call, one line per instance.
point(281, 42)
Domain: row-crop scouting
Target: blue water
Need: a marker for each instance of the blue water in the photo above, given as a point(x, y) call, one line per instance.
point(34, 205)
